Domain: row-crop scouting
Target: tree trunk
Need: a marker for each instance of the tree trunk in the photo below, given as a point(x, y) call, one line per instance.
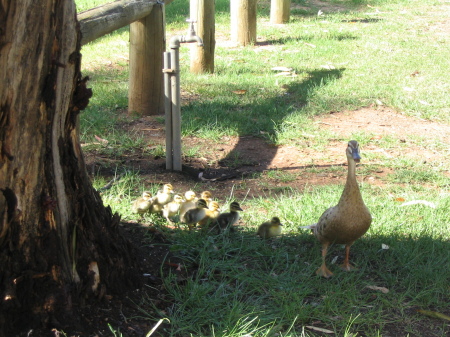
point(202, 58)
point(57, 240)
point(280, 11)
point(243, 21)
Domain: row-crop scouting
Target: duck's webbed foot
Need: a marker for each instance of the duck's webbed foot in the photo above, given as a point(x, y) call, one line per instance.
point(346, 265)
point(324, 271)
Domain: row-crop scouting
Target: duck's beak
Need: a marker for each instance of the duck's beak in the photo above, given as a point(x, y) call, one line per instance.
point(240, 209)
point(356, 156)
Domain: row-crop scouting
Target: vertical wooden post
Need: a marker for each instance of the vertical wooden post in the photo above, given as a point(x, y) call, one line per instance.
point(243, 21)
point(280, 11)
point(147, 44)
point(202, 59)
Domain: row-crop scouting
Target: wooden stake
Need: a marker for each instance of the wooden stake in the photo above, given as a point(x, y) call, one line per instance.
point(280, 11)
point(243, 21)
point(147, 44)
point(202, 58)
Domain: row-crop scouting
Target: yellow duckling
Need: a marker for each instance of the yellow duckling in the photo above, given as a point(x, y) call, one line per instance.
point(190, 200)
point(207, 196)
point(196, 214)
point(227, 220)
point(172, 209)
point(348, 220)
point(211, 214)
point(270, 228)
point(161, 198)
point(142, 204)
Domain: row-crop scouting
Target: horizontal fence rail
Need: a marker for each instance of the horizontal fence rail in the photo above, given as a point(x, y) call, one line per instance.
point(107, 18)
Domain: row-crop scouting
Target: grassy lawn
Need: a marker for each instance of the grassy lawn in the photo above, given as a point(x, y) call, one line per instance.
point(354, 54)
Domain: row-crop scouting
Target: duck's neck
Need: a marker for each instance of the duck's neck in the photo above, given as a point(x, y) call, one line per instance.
point(351, 191)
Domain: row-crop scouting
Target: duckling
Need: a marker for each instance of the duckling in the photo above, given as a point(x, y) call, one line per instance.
point(270, 228)
point(142, 204)
point(227, 220)
point(196, 214)
point(207, 196)
point(171, 209)
point(190, 200)
point(348, 220)
point(162, 197)
point(211, 214)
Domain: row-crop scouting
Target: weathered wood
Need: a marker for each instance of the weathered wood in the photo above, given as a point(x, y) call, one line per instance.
point(147, 45)
point(243, 21)
point(107, 18)
point(280, 11)
point(202, 58)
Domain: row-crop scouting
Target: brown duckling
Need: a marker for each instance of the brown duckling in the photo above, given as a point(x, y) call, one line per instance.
point(227, 220)
point(211, 214)
point(196, 214)
point(348, 220)
point(142, 204)
point(161, 198)
point(270, 228)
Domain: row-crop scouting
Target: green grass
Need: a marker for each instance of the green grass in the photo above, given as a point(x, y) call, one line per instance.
point(395, 52)
point(240, 284)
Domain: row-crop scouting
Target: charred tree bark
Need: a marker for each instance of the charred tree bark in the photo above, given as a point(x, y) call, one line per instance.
point(58, 243)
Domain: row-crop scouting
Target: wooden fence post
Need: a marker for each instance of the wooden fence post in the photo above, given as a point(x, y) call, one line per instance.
point(147, 44)
point(202, 59)
point(243, 21)
point(280, 11)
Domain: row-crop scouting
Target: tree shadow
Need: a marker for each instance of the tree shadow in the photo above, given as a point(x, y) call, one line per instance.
point(253, 148)
point(337, 36)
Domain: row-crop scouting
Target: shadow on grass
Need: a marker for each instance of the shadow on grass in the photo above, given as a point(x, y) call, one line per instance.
point(255, 120)
point(240, 275)
point(305, 38)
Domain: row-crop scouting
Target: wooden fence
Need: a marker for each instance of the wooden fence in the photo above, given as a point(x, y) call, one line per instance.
point(147, 40)
point(147, 44)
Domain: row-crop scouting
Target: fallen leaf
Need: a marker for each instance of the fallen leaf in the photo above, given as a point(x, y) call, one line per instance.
point(400, 199)
point(382, 289)
point(310, 45)
point(284, 73)
point(383, 246)
point(239, 92)
point(319, 329)
point(415, 202)
point(281, 69)
point(104, 141)
point(434, 314)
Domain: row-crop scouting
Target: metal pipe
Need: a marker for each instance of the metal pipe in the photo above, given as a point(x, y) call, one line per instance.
point(168, 111)
point(173, 97)
point(176, 110)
